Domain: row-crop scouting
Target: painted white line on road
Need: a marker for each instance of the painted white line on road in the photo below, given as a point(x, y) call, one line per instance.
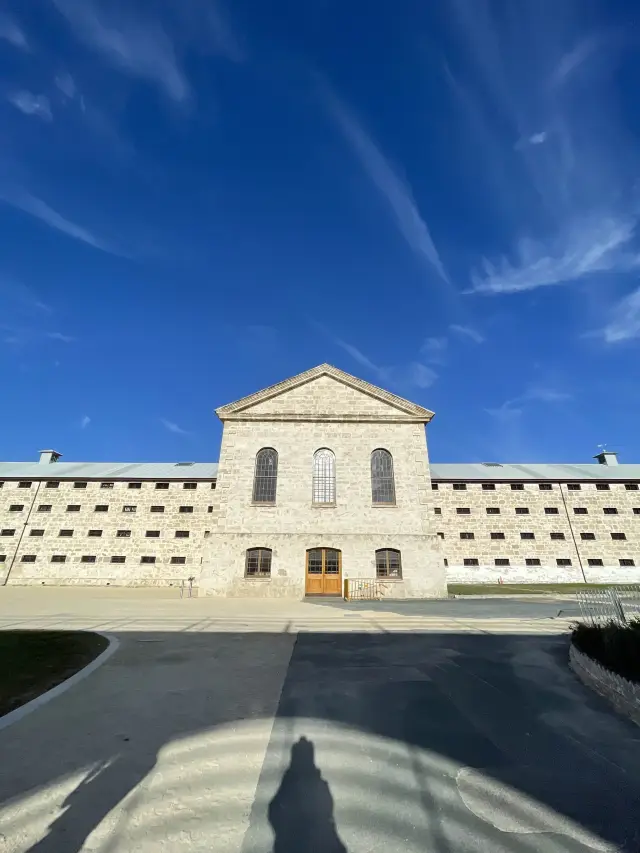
point(34, 704)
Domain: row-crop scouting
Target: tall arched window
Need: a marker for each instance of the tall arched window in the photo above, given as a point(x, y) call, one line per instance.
point(324, 477)
point(383, 489)
point(388, 563)
point(265, 477)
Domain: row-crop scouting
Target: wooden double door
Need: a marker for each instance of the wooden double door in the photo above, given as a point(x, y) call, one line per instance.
point(324, 572)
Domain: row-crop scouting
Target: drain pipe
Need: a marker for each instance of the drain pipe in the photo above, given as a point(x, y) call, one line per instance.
point(573, 536)
point(24, 527)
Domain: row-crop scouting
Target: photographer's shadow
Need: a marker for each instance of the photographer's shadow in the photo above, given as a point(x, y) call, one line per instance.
point(301, 813)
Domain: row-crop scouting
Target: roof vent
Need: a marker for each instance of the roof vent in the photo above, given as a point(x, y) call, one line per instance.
point(49, 456)
point(607, 457)
point(184, 464)
point(492, 464)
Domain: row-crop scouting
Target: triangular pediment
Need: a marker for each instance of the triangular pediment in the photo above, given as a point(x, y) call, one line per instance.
point(324, 393)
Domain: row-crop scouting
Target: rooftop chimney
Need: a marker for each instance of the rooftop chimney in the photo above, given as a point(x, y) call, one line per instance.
point(607, 457)
point(49, 456)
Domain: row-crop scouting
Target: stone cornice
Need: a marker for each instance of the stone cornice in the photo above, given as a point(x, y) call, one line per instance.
point(407, 411)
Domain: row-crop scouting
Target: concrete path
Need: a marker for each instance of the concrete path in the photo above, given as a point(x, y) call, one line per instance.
point(361, 740)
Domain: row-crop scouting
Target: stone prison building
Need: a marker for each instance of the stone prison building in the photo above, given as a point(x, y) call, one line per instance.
point(321, 478)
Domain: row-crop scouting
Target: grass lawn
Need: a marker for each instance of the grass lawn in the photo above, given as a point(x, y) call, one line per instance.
point(522, 588)
point(32, 662)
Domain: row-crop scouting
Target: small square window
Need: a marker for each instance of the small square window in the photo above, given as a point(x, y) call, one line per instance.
point(207, 534)
point(563, 561)
point(157, 508)
point(497, 535)
point(493, 510)
point(602, 487)
point(636, 510)
point(106, 485)
point(81, 484)
point(28, 558)
point(88, 558)
point(501, 561)
point(551, 510)
point(129, 508)
point(123, 534)
point(631, 487)
point(52, 484)
point(445, 561)
point(189, 485)
point(186, 509)
point(182, 534)
point(532, 561)
point(16, 507)
point(7, 531)
point(517, 487)
point(463, 510)
point(101, 508)
point(178, 561)
point(440, 535)
point(66, 533)
point(119, 559)
point(213, 485)
point(610, 510)
point(147, 559)
point(588, 536)
point(435, 487)
point(24, 484)
point(438, 510)
point(527, 535)
point(467, 535)
point(58, 558)
point(488, 487)
point(557, 535)
point(595, 561)
point(44, 508)
point(522, 510)
point(162, 485)
point(95, 533)
point(134, 485)
point(460, 487)
point(619, 536)
point(36, 533)
point(73, 507)
point(152, 534)
point(209, 509)
point(580, 510)
point(470, 561)
point(626, 561)
point(545, 487)
point(574, 487)
point(3, 557)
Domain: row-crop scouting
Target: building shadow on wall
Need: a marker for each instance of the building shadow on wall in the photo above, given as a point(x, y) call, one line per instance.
point(301, 812)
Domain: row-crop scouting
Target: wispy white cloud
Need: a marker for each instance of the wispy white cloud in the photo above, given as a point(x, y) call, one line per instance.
point(173, 427)
point(467, 332)
point(66, 84)
point(513, 408)
point(414, 374)
point(605, 245)
point(538, 138)
point(85, 421)
point(395, 191)
point(31, 105)
point(11, 32)
point(16, 295)
point(39, 209)
point(624, 322)
point(149, 48)
point(59, 336)
point(571, 61)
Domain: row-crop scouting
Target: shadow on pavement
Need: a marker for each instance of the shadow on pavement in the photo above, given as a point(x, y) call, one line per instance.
point(435, 742)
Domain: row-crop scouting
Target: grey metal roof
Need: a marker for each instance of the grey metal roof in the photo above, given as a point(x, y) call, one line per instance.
point(109, 470)
point(519, 472)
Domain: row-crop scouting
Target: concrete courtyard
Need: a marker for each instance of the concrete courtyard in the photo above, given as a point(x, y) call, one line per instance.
point(264, 726)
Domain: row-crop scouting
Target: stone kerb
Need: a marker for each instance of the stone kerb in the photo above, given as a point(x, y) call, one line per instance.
point(624, 695)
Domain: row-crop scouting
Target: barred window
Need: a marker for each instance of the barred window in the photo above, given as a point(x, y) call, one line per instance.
point(106, 485)
point(52, 484)
point(545, 487)
point(16, 507)
point(189, 485)
point(388, 563)
point(557, 535)
point(527, 535)
point(59, 558)
point(603, 487)
point(147, 559)
point(631, 487)
point(467, 535)
point(574, 487)
point(517, 487)
point(580, 510)
point(493, 510)
point(88, 558)
point(470, 561)
point(66, 532)
point(101, 508)
point(489, 487)
point(324, 477)
point(383, 490)
point(595, 561)
point(28, 558)
point(162, 485)
point(618, 535)
point(7, 531)
point(497, 535)
point(36, 533)
point(258, 563)
point(463, 510)
point(551, 510)
point(587, 536)
point(460, 487)
point(610, 510)
point(118, 559)
point(627, 561)
point(265, 477)
point(522, 510)
point(81, 484)
point(501, 561)
point(156, 508)
point(532, 561)
point(178, 561)
point(563, 561)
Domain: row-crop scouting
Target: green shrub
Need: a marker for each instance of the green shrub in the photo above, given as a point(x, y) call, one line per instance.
point(615, 646)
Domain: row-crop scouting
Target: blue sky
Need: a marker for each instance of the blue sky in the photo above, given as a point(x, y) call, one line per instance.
point(199, 199)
